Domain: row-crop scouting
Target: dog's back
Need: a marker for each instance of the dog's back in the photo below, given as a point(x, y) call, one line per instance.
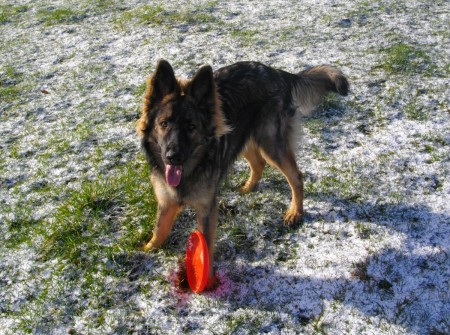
point(260, 102)
point(252, 85)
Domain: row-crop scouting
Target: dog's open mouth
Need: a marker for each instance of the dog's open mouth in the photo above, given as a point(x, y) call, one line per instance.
point(173, 174)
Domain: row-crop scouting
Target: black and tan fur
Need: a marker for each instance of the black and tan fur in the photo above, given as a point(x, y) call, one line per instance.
point(198, 127)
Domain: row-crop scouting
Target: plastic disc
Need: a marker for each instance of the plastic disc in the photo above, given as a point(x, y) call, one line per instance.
point(197, 262)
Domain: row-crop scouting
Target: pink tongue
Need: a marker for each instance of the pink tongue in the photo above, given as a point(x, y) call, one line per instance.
point(173, 175)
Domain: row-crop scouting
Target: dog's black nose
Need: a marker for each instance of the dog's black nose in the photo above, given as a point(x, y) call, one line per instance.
point(174, 157)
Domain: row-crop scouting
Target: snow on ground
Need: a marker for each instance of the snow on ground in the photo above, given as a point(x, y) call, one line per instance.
point(373, 254)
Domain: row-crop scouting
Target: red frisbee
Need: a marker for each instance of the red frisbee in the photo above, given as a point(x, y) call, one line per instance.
point(197, 262)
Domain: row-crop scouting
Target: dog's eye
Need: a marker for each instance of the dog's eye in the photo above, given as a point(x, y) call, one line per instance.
point(190, 127)
point(163, 124)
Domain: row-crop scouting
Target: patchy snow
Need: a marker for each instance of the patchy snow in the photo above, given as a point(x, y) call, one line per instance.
point(373, 254)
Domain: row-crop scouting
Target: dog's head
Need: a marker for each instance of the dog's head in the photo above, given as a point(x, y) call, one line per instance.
point(180, 118)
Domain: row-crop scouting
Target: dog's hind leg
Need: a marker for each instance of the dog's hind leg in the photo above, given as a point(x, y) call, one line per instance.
point(257, 164)
point(284, 160)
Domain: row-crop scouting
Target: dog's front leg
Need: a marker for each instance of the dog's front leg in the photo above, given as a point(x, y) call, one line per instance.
point(207, 224)
point(163, 226)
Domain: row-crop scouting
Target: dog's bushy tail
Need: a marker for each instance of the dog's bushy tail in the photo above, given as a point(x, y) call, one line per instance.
point(311, 86)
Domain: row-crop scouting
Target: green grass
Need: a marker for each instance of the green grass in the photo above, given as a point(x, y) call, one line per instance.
point(435, 139)
point(158, 15)
point(191, 16)
point(245, 320)
point(22, 225)
point(9, 93)
point(376, 8)
point(446, 69)
point(415, 112)
point(363, 230)
point(403, 58)
point(436, 146)
point(11, 13)
point(246, 37)
point(60, 16)
point(91, 239)
point(138, 91)
point(103, 217)
point(333, 101)
point(11, 83)
point(328, 114)
point(100, 218)
point(344, 181)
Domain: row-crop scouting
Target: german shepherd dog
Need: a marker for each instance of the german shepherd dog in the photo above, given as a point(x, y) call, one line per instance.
point(193, 130)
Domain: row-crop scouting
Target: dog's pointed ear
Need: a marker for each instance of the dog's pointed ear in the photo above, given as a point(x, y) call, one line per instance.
point(202, 87)
point(163, 81)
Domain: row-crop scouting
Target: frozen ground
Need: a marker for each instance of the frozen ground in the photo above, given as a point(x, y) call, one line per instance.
point(373, 254)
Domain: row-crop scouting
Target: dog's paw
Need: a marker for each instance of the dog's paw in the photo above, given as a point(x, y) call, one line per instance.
point(293, 217)
point(212, 283)
point(148, 247)
point(248, 187)
point(245, 189)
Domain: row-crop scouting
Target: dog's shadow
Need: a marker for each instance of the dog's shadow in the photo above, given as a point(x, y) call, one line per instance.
point(400, 286)
point(390, 284)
